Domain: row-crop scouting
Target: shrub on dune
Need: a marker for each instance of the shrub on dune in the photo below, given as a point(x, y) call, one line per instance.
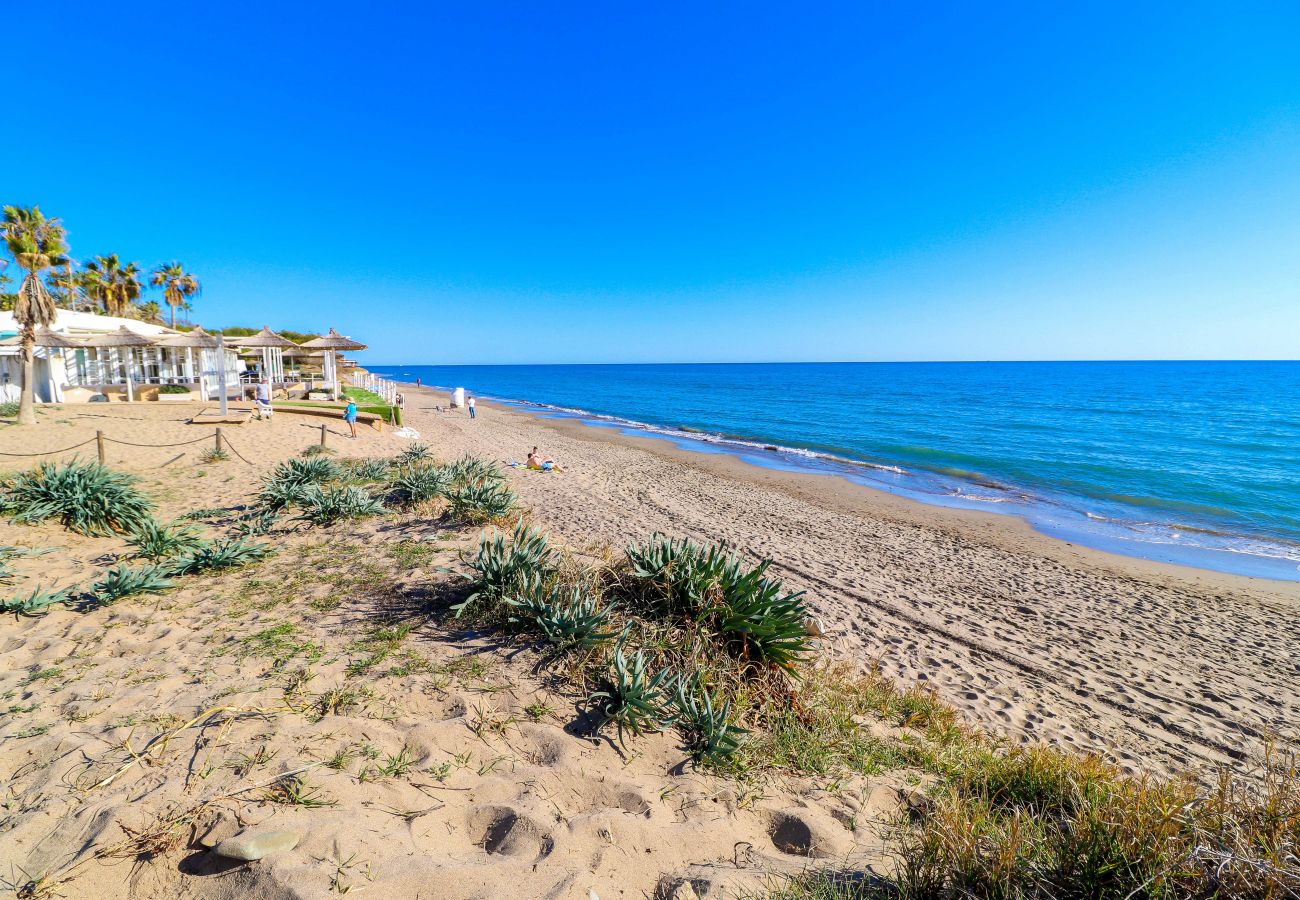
point(366, 470)
point(226, 554)
point(415, 453)
point(473, 470)
point(504, 568)
point(85, 497)
point(36, 603)
point(570, 618)
point(417, 484)
point(154, 541)
point(330, 505)
point(125, 581)
point(487, 501)
point(633, 699)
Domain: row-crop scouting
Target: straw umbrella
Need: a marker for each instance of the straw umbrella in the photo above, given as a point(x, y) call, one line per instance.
point(334, 342)
point(123, 337)
point(200, 339)
point(265, 340)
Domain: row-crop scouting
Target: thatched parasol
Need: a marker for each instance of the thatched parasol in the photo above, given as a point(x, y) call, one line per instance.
point(196, 338)
point(264, 339)
point(123, 337)
point(333, 342)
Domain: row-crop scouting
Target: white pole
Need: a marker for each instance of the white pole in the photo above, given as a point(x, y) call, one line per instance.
point(221, 372)
point(130, 394)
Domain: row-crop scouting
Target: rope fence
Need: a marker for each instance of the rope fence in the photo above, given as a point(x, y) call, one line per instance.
point(100, 440)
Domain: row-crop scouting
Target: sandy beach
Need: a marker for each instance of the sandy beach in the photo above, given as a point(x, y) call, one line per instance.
point(1154, 667)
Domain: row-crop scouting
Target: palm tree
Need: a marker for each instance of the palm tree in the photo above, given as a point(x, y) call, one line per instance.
point(36, 243)
point(151, 312)
point(111, 284)
point(64, 284)
point(177, 284)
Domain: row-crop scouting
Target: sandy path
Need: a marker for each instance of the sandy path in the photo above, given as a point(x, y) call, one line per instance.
point(1152, 665)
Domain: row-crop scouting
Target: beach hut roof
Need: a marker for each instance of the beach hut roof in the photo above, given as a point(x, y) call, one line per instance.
point(123, 337)
point(264, 338)
point(334, 341)
point(45, 338)
point(196, 338)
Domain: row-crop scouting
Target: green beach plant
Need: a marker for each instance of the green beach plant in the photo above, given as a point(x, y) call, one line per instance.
point(758, 621)
point(154, 541)
point(473, 470)
point(706, 720)
point(415, 453)
point(37, 603)
point(330, 505)
point(570, 618)
point(676, 577)
point(633, 699)
point(417, 484)
point(485, 501)
point(126, 581)
point(224, 554)
point(367, 469)
point(503, 568)
point(85, 497)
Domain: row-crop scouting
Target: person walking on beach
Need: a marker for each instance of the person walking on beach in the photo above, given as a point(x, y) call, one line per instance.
point(470, 404)
point(264, 399)
point(350, 415)
point(417, 381)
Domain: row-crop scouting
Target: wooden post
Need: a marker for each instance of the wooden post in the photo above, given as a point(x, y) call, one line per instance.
point(220, 449)
point(322, 435)
point(99, 445)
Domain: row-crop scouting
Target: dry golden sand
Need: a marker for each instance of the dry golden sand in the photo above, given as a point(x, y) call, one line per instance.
point(1153, 666)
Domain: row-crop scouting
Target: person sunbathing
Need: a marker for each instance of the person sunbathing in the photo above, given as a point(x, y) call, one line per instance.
point(535, 461)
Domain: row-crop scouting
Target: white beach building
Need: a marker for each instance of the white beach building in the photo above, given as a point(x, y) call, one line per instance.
point(115, 372)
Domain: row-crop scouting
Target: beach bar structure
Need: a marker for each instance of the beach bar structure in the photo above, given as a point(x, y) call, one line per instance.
point(86, 357)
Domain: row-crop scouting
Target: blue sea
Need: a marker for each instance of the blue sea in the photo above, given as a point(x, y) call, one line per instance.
point(1187, 462)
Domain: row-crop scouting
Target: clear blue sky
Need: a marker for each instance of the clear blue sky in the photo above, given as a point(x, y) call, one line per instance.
point(536, 182)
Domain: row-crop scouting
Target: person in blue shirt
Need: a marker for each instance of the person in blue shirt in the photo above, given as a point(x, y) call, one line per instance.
point(350, 414)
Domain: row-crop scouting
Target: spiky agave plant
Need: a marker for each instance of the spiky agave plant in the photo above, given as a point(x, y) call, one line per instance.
point(291, 481)
point(677, 577)
point(504, 567)
point(327, 506)
point(474, 470)
point(485, 501)
point(309, 470)
point(37, 603)
point(706, 720)
point(416, 484)
point(758, 621)
point(85, 496)
point(415, 453)
point(154, 541)
point(125, 581)
point(367, 469)
point(257, 521)
point(569, 618)
point(225, 554)
point(633, 699)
